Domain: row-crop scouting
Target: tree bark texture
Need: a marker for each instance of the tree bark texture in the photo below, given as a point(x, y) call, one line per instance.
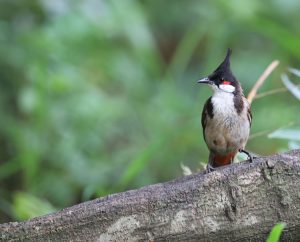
point(241, 202)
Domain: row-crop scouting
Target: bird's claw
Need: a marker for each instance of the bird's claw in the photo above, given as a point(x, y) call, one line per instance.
point(250, 157)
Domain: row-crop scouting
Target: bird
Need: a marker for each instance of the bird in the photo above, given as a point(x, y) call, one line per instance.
point(226, 117)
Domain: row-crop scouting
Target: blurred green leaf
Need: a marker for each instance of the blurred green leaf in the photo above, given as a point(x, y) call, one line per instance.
point(186, 170)
point(136, 165)
point(185, 50)
point(8, 168)
point(274, 236)
point(294, 145)
point(291, 86)
point(87, 107)
point(277, 32)
point(26, 206)
point(289, 134)
point(295, 71)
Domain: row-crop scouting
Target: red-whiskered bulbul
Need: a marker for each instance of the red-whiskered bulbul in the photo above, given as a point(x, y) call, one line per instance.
point(226, 117)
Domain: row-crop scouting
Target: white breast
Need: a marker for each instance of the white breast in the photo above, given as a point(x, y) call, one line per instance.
point(223, 104)
point(227, 130)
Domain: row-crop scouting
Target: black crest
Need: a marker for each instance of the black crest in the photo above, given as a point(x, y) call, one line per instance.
point(223, 72)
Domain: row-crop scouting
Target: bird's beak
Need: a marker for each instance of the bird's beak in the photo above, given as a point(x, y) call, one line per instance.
point(205, 81)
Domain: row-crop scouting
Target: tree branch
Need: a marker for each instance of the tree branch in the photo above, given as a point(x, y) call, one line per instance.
point(240, 202)
point(261, 80)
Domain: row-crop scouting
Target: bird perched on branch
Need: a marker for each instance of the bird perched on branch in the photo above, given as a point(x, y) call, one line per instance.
point(226, 117)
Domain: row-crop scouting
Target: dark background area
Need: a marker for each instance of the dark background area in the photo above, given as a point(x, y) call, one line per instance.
point(98, 97)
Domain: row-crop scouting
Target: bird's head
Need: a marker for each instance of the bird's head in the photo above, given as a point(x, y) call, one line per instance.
point(222, 78)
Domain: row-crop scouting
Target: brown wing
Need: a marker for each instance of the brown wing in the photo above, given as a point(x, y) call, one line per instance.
point(206, 112)
point(249, 115)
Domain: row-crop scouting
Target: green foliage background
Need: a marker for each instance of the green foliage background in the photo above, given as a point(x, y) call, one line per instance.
point(98, 96)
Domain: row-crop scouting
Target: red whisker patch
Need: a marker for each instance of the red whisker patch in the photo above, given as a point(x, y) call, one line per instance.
point(226, 83)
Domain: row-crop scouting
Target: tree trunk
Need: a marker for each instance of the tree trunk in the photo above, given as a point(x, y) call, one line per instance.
point(240, 202)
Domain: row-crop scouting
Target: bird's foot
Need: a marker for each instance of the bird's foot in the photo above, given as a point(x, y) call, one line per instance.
point(250, 157)
point(209, 168)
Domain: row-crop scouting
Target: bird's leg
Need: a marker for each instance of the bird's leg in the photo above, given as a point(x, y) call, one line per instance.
point(209, 167)
point(248, 154)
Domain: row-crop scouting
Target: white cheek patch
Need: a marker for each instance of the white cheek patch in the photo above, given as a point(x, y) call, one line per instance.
point(227, 88)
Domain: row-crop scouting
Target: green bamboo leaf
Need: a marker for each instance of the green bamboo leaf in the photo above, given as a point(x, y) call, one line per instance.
point(276, 232)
